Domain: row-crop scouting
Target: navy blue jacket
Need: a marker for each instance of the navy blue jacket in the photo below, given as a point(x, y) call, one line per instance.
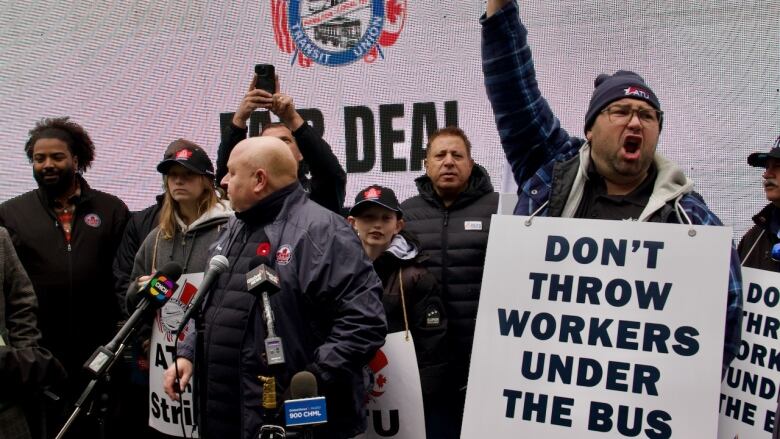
point(328, 313)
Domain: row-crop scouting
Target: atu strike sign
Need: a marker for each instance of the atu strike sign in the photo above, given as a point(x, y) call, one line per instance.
point(166, 415)
point(599, 329)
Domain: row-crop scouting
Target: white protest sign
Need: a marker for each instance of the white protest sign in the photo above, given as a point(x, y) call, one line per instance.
point(749, 393)
point(595, 329)
point(164, 413)
point(395, 405)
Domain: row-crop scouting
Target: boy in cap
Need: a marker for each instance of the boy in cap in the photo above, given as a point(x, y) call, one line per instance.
point(411, 293)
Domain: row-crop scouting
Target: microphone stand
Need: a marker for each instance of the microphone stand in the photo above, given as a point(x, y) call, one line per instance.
point(102, 374)
point(99, 363)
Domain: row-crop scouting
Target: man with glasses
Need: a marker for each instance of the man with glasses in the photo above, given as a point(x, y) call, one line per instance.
point(614, 173)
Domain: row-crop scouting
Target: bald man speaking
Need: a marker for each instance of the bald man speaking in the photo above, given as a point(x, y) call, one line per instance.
point(328, 313)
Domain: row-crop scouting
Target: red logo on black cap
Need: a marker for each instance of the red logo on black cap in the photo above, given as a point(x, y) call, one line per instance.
point(183, 154)
point(372, 193)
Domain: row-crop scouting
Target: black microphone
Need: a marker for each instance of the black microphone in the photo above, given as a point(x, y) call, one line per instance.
point(262, 281)
point(154, 294)
point(303, 385)
point(217, 265)
point(304, 410)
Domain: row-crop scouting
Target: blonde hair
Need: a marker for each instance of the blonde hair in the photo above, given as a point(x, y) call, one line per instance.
point(206, 202)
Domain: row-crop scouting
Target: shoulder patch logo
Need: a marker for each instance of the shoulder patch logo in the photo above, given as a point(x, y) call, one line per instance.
point(284, 255)
point(93, 220)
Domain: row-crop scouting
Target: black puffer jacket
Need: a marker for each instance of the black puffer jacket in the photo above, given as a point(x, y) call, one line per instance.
point(455, 237)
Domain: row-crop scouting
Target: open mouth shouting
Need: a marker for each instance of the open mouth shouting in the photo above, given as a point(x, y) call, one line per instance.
point(632, 146)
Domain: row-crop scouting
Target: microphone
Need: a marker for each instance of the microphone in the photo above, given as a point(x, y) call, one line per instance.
point(303, 385)
point(154, 294)
point(305, 409)
point(262, 280)
point(217, 265)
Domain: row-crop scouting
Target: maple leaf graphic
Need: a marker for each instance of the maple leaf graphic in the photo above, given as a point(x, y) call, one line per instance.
point(395, 8)
point(395, 16)
point(381, 380)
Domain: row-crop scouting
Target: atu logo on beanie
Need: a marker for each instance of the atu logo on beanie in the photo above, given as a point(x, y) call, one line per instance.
point(638, 92)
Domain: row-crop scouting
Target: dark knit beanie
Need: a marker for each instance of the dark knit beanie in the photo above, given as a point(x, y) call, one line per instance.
point(623, 84)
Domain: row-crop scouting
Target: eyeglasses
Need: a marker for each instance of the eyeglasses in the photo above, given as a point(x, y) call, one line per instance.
point(622, 114)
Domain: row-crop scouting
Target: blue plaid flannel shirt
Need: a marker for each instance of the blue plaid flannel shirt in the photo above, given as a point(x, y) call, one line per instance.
point(533, 141)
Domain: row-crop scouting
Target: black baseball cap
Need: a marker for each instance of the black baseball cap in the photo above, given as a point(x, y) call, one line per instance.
point(376, 194)
point(759, 159)
point(188, 154)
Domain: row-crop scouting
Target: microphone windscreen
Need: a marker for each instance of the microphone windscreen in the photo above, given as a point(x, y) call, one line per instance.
point(172, 270)
point(303, 385)
point(219, 264)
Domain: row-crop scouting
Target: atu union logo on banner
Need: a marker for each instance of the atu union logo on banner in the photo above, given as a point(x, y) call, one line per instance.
point(336, 32)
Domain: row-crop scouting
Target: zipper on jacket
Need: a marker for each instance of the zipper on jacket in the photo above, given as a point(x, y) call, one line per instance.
point(57, 226)
point(444, 258)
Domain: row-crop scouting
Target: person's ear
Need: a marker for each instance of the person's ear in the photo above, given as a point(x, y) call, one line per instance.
point(261, 178)
point(399, 225)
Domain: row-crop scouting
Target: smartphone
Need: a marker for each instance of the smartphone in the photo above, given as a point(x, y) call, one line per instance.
point(266, 77)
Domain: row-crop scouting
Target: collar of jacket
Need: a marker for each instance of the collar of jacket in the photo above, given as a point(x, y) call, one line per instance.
point(218, 214)
point(478, 185)
point(86, 193)
point(764, 217)
point(267, 209)
point(670, 183)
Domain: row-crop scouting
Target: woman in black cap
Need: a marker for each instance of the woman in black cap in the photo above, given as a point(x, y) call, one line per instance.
point(191, 217)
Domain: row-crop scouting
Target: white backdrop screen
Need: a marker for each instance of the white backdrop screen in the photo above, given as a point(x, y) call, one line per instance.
point(382, 73)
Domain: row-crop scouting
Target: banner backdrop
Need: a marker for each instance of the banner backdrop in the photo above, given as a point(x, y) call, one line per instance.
point(395, 405)
point(748, 398)
point(378, 76)
point(593, 329)
point(165, 415)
